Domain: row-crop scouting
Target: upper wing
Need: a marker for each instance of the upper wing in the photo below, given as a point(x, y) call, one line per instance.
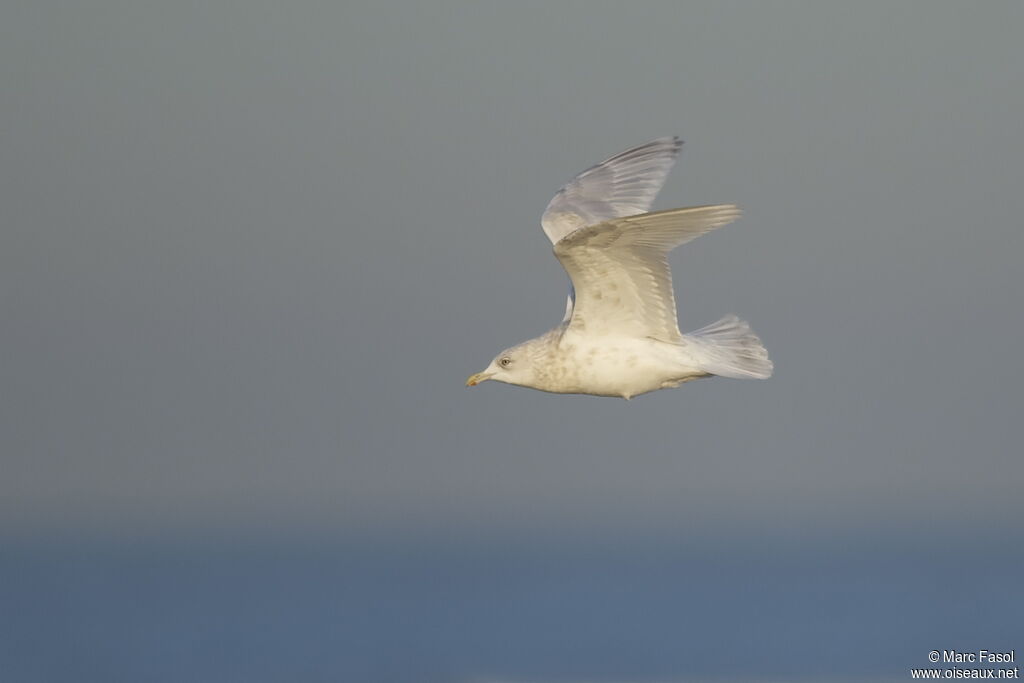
point(620, 271)
point(624, 185)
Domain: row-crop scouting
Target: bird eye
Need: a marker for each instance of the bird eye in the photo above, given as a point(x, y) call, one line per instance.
point(505, 362)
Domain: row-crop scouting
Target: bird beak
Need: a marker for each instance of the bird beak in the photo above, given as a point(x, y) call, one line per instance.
point(477, 378)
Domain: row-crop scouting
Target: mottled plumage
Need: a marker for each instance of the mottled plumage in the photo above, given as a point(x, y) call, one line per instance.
point(620, 336)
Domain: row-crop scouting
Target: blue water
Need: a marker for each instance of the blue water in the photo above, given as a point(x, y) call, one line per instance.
point(329, 609)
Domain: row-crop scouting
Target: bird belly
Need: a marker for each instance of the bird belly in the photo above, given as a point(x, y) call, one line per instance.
point(627, 367)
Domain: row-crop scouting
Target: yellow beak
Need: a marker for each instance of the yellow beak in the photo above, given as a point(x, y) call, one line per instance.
point(477, 378)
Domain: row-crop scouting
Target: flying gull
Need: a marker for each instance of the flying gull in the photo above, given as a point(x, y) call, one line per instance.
point(619, 336)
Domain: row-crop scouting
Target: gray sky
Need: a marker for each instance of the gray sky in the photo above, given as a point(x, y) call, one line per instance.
point(250, 252)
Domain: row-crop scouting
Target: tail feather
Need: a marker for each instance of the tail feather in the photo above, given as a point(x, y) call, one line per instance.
point(729, 349)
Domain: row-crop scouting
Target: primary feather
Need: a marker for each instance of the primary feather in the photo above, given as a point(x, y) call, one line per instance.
point(622, 185)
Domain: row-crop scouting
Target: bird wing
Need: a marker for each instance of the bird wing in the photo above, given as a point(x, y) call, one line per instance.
point(620, 274)
point(624, 185)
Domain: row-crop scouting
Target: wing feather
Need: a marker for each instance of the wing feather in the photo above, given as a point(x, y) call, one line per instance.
point(623, 185)
point(620, 274)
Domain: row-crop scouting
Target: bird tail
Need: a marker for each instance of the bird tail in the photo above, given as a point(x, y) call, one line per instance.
point(729, 349)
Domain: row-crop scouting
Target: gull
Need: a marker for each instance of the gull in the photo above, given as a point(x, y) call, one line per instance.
point(619, 336)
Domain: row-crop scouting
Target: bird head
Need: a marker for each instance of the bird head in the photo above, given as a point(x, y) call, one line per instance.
point(512, 366)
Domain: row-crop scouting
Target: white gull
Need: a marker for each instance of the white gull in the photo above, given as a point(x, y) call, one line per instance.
point(619, 336)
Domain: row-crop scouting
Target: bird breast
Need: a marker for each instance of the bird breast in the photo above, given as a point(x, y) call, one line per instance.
point(608, 366)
